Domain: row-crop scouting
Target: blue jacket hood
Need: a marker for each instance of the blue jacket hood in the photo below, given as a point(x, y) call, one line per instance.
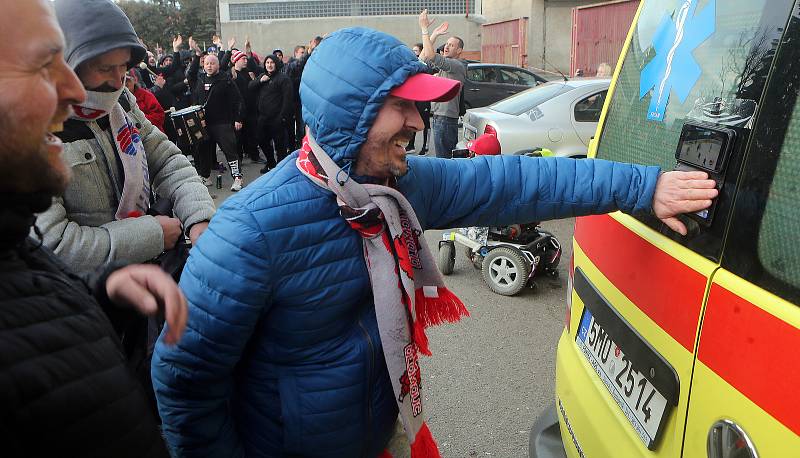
point(345, 83)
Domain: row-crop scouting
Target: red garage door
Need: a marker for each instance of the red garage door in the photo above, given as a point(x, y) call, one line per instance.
point(598, 33)
point(505, 42)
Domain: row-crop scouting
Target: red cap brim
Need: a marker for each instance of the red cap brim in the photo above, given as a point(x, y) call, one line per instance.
point(423, 87)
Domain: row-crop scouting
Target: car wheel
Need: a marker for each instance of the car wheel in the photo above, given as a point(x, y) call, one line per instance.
point(447, 257)
point(505, 271)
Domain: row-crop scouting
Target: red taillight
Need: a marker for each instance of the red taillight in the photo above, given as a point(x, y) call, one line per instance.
point(489, 130)
point(569, 292)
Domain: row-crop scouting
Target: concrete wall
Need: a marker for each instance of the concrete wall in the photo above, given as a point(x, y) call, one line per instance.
point(285, 34)
point(503, 10)
point(549, 27)
point(558, 33)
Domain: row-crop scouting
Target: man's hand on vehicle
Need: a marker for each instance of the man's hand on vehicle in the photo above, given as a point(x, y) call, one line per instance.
point(682, 192)
point(149, 290)
point(172, 230)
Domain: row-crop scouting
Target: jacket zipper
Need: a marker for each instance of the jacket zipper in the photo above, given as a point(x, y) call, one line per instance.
point(369, 386)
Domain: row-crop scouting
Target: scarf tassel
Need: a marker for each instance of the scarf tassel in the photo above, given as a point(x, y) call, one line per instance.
point(424, 446)
point(433, 311)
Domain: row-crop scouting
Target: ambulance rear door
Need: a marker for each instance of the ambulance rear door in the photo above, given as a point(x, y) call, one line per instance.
point(744, 398)
point(694, 75)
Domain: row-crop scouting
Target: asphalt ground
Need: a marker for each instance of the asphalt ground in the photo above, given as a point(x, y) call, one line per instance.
point(492, 373)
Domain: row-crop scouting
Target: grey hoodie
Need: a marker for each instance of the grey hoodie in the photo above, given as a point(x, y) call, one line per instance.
point(94, 27)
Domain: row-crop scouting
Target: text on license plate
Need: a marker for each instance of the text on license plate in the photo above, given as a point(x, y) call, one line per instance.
point(641, 403)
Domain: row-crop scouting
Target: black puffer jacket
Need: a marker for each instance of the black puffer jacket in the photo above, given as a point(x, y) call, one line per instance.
point(275, 100)
point(221, 98)
point(64, 387)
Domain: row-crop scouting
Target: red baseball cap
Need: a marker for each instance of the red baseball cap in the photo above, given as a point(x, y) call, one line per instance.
point(485, 145)
point(423, 87)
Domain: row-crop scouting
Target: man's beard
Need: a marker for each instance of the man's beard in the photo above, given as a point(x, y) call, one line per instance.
point(25, 165)
point(396, 172)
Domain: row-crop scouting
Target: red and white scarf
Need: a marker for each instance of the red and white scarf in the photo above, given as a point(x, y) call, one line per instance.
point(407, 287)
point(135, 198)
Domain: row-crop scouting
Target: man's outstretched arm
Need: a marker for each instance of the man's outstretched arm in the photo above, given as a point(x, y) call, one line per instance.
point(502, 190)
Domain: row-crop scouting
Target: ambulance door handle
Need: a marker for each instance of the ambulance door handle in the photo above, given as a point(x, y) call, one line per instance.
point(726, 438)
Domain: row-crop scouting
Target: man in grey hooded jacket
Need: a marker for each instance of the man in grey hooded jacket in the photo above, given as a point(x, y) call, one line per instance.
point(119, 160)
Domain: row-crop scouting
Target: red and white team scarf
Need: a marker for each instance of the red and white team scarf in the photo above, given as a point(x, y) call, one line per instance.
point(407, 287)
point(135, 198)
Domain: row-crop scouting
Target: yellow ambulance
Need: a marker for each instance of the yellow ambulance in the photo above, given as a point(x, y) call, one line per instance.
point(689, 346)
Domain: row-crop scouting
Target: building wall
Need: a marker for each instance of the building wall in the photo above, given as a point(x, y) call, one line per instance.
point(503, 10)
point(558, 32)
point(549, 28)
point(285, 34)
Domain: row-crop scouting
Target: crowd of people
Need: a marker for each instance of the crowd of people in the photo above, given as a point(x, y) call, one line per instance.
point(251, 105)
point(305, 299)
point(254, 110)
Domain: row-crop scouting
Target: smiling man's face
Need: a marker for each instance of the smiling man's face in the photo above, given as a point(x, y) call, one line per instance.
point(37, 88)
point(383, 155)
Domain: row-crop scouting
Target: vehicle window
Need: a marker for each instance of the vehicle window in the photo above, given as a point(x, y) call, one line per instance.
point(482, 75)
point(763, 241)
point(779, 236)
point(525, 78)
point(525, 101)
point(589, 109)
point(724, 64)
point(476, 74)
point(508, 76)
point(515, 77)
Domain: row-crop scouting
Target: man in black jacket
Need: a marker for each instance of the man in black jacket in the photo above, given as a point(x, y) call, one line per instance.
point(65, 389)
point(248, 136)
point(294, 70)
point(275, 104)
point(224, 115)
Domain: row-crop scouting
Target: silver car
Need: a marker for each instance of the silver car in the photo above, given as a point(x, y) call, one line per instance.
point(560, 115)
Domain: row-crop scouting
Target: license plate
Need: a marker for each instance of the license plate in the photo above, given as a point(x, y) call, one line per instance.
point(469, 134)
point(642, 404)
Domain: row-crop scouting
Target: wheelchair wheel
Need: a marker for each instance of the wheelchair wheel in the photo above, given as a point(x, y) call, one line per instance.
point(447, 257)
point(505, 271)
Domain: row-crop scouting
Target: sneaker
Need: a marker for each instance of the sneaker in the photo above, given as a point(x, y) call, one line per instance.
point(237, 184)
point(208, 181)
point(264, 169)
point(423, 151)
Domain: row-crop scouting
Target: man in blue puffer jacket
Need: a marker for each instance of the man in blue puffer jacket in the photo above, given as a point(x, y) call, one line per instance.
point(282, 354)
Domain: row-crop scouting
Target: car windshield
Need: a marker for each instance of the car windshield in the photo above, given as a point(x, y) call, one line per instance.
point(526, 100)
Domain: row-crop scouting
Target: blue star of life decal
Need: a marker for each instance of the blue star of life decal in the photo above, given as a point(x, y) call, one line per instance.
point(674, 69)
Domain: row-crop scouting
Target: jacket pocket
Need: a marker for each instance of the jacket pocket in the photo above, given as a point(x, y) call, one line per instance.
point(290, 414)
point(89, 192)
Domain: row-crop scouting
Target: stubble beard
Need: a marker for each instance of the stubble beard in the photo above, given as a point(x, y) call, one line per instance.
point(26, 165)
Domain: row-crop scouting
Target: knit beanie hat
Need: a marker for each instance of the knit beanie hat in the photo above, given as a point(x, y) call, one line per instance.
point(237, 55)
point(94, 27)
